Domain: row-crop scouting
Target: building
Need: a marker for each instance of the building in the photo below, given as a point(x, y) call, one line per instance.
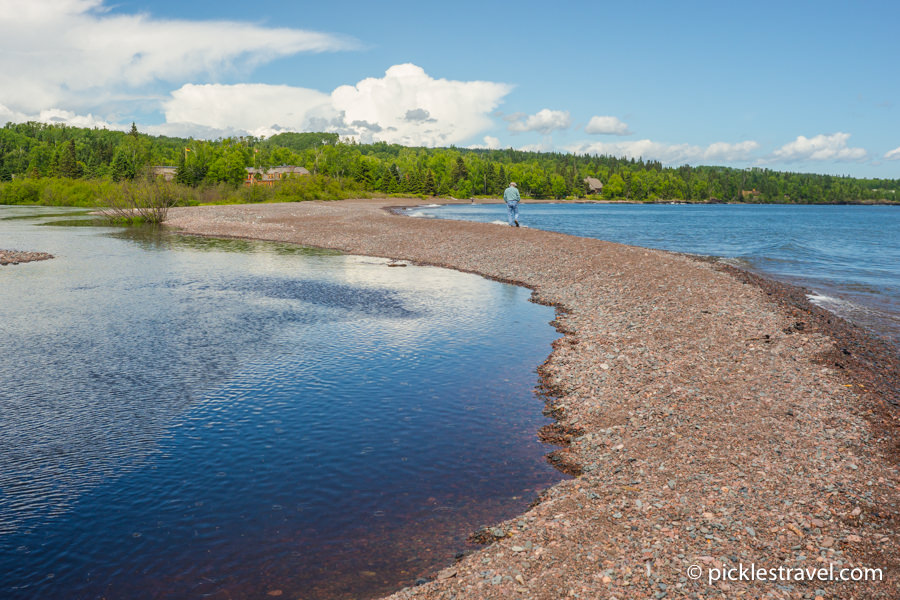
point(594, 185)
point(167, 173)
point(272, 175)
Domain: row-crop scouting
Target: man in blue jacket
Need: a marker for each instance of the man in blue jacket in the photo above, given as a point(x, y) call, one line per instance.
point(512, 199)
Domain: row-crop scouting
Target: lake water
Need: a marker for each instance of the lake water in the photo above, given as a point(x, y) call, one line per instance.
point(849, 256)
point(187, 417)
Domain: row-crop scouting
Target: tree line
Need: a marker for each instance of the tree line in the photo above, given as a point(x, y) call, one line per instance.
point(32, 151)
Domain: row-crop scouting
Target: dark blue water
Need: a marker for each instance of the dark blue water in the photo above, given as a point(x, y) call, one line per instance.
point(849, 256)
point(182, 417)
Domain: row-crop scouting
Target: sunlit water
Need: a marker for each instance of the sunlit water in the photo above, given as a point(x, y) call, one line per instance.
point(848, 256)
point(182, 417)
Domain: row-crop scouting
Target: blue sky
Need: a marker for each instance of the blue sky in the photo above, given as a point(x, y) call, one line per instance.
point(799, 86)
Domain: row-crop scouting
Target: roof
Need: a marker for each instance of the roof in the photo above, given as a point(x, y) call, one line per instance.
point(593, 183)
point(279, 170)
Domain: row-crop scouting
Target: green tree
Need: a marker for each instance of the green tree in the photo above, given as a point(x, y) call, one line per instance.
point(459, 171)
point(429, 186)
point(558, 186)
point(67, 164)
point(614, 188)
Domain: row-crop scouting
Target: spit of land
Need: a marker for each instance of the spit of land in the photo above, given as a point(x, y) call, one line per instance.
point(729, 439)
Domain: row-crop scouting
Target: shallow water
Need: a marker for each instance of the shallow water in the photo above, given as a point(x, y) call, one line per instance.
point(848, 256)
point(184, 417)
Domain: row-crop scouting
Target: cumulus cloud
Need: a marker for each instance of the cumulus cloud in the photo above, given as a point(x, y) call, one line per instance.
point(545, 121)
point(415, 109)
point(671, 153)
point(821, 147)
point(253, 107)
point(893, 154)
point(490, 143)
point(606, 126)
point(74, 53)
point(406, 106)
point(56, 115)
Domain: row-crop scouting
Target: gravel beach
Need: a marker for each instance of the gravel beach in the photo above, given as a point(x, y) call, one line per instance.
point(719, 425)
point(15, 257)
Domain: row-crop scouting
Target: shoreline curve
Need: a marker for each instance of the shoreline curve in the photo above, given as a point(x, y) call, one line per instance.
point(714, 418)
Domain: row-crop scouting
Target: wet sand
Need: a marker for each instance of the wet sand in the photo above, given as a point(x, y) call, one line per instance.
point(714, 419)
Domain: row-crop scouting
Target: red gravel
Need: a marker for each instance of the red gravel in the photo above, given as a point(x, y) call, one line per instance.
point(14, 257)
point(715, 419)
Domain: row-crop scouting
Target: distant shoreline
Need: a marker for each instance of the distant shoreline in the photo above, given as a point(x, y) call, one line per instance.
point(486, 200)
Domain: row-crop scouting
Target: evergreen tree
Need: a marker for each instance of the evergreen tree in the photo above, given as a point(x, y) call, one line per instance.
point(429, 186)
point(67, 165)
point(459, 171)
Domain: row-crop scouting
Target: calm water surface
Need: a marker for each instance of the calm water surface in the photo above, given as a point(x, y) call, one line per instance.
point(182, 417)
point(849, 256)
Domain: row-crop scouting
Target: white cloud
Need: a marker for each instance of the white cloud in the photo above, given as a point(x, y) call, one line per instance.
point(56, 115)
point(821, 147)
point(671, 153)
point(73, 53)
point(540, 147)
point(545, 121)
point(893, 154)
point(489, 143)
point(606, 126)
point(456, 110)
point(406, 106)
point(255, 108)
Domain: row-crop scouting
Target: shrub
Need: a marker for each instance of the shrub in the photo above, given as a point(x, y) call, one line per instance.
point(146, 201)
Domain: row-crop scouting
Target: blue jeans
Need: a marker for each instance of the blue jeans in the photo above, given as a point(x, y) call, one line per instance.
point(512, 213)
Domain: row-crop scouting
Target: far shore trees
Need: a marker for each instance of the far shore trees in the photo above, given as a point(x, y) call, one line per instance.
point(33, 151)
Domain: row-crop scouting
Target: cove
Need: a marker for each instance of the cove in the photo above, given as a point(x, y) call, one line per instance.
point(187, 417)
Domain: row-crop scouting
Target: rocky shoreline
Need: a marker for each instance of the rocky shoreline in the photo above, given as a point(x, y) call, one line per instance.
point(715, 420)
point(15, 257)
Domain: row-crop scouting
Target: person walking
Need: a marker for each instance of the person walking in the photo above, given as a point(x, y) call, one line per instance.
point(512, 199)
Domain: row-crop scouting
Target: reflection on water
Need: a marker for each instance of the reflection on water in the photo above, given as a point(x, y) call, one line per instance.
point(188, 416)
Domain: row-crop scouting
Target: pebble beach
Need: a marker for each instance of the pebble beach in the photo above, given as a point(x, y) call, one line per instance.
point(728, 439)
point(15, 257)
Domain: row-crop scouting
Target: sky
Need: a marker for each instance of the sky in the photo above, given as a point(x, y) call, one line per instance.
point(789, 85)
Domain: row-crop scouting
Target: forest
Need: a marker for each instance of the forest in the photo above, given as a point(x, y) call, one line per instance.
point(59, 164)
